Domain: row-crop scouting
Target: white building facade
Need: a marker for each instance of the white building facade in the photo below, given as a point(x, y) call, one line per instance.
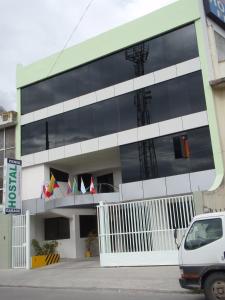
point(132, 108)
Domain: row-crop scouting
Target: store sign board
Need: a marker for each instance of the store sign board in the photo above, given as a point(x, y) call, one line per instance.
point(12, 186)
point(215, 9)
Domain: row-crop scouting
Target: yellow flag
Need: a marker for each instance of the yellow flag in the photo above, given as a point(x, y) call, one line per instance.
point(51, 184)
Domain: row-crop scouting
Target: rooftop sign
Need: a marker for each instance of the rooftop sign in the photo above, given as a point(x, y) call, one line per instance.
point(215, 9)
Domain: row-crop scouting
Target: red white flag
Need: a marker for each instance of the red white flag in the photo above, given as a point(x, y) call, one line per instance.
point(92, 187)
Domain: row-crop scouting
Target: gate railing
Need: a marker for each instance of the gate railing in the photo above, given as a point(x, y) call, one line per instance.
point(143, 226)
point(21, 241)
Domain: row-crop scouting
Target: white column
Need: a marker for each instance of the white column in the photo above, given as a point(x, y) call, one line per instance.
point(28, 258)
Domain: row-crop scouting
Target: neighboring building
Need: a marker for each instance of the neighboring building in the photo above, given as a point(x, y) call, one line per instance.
point(8, 121)
point(133, 108)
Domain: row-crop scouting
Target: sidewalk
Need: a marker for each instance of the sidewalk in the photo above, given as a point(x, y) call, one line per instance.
point(89, 276)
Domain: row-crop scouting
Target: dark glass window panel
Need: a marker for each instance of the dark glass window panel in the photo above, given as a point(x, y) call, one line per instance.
point(56, 132)
point(170, 49)
point(86, 129)
point(63, 228)
point(86, 180)
point(10, 153)
point(59, 175)
point(157, 53)
point(1, 177)
point(106, 117)
point(2, 156)
point(127, 111)
point(130, 162)
point(88, 224)
point(10, 137)
point(33, 137)
point(158, 159)
point(1, 196)
point(181, 45)
point(71, 127)
point(2, 142)
point(105, 183)
point(167, 164)
point(177, 97)
point(201, 150)
point(57, 229)
point(170, 99)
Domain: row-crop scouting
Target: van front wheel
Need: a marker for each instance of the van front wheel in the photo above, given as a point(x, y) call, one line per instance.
point(214, 286)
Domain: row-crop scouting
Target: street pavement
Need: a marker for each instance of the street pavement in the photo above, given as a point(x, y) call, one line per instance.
point(68, 294)
point(88, 276)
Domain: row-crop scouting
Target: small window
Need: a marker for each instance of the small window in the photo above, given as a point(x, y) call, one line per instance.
point(57, 229)
point(202, 233)
point(220, 45)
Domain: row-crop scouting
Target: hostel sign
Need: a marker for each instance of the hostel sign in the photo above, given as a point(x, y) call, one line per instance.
point(12, 186)
point(215, 9)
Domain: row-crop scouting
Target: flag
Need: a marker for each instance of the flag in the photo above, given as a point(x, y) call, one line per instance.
point(186, 147)
point(82, 187)
point(56, 185)
point(45, 192)
point(92, 187)
point(74, 187)
point(51, 184)
point(69, 189)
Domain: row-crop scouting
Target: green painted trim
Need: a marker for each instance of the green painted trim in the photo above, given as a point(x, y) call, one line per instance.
point(155, 23)
point(18, 126)
point(213, 125)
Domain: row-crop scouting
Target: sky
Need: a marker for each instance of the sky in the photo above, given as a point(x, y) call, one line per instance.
point(31, 30)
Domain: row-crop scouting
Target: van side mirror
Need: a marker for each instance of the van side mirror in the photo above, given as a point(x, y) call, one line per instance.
point(175, 234)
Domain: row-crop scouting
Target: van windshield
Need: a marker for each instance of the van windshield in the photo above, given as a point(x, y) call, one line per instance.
point(203, 232)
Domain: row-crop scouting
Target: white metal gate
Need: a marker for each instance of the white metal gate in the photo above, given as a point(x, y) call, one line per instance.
point(142, 232)
point(21, 241)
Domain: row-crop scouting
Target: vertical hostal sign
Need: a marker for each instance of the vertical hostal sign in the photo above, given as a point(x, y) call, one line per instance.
point(12, 186)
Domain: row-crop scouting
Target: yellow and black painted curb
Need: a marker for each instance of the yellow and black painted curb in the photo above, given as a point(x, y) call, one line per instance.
point(44, 260)
point(52, 259)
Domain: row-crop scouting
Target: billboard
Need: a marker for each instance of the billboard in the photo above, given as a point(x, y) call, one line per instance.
point(12, 186)
point(215, 9)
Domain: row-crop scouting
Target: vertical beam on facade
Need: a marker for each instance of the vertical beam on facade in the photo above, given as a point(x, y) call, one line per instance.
point(27, 240)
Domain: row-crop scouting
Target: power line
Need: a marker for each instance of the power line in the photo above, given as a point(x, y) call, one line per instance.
point(71, 35)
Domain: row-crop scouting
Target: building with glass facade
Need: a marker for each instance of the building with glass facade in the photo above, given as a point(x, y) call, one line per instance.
point(137, 108)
